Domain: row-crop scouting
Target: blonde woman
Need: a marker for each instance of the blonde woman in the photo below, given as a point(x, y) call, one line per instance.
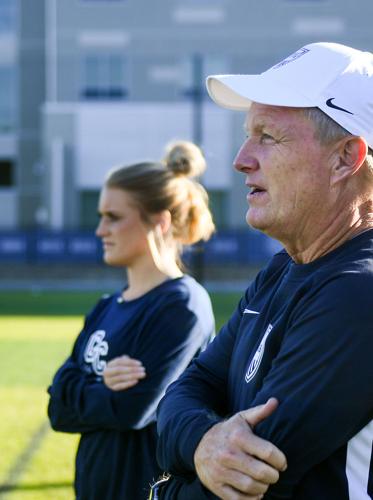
point(136, 342)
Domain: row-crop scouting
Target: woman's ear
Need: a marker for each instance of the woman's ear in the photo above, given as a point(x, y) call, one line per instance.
point(352, 152)
point(162, 220)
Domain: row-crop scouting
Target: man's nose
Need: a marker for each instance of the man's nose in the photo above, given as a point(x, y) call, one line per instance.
point(245, 159)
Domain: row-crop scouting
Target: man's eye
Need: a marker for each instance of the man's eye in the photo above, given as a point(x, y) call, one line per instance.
point(265, 138)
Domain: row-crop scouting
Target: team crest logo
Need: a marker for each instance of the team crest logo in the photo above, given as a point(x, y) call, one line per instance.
point(293, 57)
point(96, 348)
point(258, 356)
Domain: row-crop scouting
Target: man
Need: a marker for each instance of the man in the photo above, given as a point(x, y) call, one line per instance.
point(303, 332)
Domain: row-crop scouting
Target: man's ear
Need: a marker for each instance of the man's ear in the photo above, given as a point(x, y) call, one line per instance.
point(352, 152)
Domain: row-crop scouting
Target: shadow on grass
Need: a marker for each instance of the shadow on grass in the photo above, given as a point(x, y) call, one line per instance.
point(37, 486)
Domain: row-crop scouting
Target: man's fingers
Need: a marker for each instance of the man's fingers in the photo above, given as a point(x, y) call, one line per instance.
point(259, 448)
point(245, 484)
point(230, 455)
point(228, 493)
point(255, 415)
point(252, 467)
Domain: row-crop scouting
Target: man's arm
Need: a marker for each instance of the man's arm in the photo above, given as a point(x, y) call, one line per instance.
point(319, 364)
point(322, 377)
point(196, 401)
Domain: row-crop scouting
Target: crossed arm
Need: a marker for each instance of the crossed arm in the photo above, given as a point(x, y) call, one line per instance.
point(229, 459)
point(80, 402)
point(320, 356)
point(234, 463)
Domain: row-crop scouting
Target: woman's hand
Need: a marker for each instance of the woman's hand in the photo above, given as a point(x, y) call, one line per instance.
point(123, 372)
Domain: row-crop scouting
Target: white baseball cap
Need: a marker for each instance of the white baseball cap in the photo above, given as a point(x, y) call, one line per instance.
point(333, 77)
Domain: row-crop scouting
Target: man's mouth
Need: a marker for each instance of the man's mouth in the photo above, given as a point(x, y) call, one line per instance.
point(256, 190)
point(255, 193)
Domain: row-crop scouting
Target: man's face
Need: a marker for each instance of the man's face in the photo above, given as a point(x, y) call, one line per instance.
point(286, 172)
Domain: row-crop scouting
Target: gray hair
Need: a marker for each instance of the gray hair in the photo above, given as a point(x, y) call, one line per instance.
point(328, 131)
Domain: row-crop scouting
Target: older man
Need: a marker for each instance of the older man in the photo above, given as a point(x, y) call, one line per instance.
point(303, 332)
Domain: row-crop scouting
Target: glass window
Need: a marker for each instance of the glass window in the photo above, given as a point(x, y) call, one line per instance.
point(88, 209)
point(218, 201)
point(7, 16)
point(6, 173)
point(7, 99)
point(97, 1)
point(103, 76)
point(197, 67)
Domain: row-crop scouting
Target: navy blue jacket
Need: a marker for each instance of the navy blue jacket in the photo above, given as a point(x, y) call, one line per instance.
point(303, 334)
point(164, 329)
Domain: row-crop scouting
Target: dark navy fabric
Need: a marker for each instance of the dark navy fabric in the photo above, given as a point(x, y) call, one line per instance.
point(164, 329)
point(303, 334)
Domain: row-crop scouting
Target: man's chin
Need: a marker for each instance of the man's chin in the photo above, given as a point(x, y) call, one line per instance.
point(254, 221)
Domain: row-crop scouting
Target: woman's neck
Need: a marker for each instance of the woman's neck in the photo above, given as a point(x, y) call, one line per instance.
point(143, 278)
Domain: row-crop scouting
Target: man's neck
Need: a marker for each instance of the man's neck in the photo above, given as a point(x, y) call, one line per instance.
point(303, 252)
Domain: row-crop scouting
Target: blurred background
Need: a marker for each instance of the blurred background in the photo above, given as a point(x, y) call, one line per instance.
point(89, 84)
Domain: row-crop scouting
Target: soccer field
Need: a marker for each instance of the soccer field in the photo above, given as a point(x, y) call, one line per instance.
point(36, 335)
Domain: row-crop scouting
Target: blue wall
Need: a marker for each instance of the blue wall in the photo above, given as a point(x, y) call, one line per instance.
point(227, 247)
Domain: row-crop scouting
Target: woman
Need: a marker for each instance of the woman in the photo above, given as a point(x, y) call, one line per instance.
point(135, 342)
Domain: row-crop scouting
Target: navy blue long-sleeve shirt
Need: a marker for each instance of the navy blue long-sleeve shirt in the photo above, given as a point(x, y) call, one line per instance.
point(164, 329)
point(303, 334)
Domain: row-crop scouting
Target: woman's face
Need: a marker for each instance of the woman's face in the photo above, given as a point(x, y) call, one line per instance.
point(122, 230)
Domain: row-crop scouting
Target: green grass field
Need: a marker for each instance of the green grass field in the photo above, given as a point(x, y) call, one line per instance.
point(36, 334)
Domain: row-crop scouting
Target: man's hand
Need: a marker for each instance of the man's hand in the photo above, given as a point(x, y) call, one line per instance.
point(123, 372)
point(235, 464)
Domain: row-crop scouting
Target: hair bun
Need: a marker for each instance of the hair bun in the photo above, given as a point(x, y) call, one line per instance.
point(185, 158)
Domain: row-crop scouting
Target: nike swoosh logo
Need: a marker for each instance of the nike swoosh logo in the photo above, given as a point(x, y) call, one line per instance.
point(331, 105)
point(250, 311)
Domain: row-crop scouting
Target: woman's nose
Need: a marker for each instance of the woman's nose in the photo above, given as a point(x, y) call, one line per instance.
point(100, 229)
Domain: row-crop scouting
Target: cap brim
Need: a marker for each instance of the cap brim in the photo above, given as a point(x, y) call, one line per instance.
point(237, 92)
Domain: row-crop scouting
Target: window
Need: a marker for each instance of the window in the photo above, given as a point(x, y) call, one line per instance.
point(7, 99)
point(88, 209)
point(219, 207)
point(196, 68)
point(103, 76)
point(7, 16)
point(6, 173)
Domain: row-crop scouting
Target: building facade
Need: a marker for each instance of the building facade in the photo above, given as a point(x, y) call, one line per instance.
point(90, 84)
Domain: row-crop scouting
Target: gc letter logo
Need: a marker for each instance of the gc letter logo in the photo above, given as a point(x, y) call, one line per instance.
point(96, 347)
